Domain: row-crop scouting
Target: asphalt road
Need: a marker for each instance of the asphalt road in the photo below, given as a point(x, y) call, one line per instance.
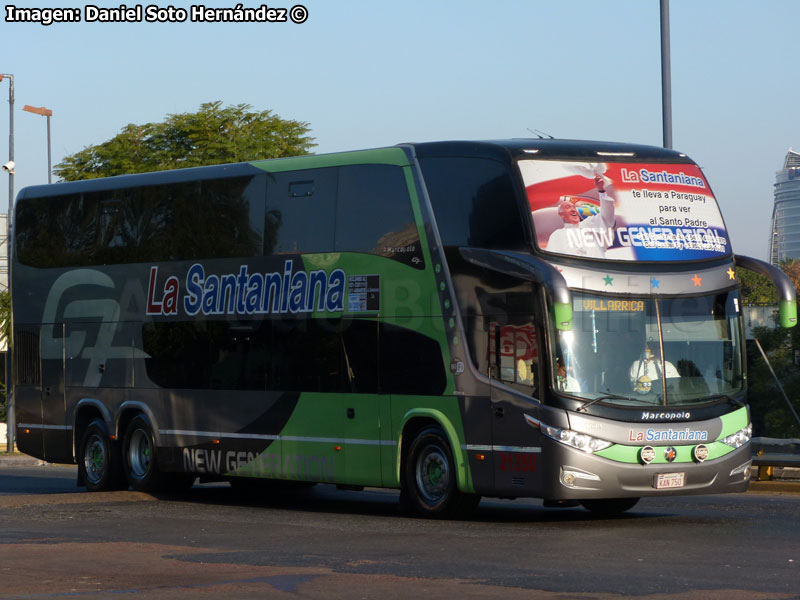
point(57, 541)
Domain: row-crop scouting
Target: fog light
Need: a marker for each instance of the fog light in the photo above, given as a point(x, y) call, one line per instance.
point(742, 469)
point(571, 475)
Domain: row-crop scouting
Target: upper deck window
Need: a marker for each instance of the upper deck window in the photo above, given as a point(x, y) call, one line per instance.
point(624, 211)
point(211, 218)
point(474, 201)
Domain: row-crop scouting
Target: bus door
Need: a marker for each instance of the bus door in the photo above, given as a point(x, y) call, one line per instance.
point(515, 442)
point(333, 433)
point(56, 433)
point(363, 410)
point(362, 439)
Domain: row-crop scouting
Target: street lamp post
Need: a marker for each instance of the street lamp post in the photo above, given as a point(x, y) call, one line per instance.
point(10, 421)
point(10, 136)
point(666, 77)
point(45, 112)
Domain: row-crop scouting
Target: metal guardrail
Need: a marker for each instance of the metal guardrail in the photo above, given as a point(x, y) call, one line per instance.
point(769, 453)
point(776, 460)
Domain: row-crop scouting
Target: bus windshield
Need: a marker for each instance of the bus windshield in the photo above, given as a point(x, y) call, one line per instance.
point(648, 351)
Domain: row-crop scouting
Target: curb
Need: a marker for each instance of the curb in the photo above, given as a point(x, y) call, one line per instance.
point(18, 460)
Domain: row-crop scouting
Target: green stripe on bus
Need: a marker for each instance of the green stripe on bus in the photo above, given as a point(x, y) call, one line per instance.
point(733, 422)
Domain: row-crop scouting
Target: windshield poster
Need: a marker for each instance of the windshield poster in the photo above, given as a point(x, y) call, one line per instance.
point(624, 211)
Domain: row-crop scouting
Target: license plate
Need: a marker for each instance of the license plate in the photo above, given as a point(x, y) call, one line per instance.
point(670, 480)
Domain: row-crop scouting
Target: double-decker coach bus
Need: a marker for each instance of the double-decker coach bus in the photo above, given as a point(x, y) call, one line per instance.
point(541, 318)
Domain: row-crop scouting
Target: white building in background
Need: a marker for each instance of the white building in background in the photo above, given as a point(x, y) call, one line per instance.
point(785, 240)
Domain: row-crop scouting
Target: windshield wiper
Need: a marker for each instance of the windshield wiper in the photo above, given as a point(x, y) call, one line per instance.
point(584, 406)
point(612, 396)
point(730, 399)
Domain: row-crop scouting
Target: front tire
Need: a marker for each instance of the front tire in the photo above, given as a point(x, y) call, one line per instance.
point(99, 460)
point(430, 488)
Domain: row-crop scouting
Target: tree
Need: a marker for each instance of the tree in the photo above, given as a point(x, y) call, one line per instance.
point(771, 416)
point(791, 266)
point(213, 135)
point(757, 290)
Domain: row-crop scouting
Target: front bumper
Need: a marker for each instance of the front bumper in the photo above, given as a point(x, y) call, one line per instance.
point(571, 474)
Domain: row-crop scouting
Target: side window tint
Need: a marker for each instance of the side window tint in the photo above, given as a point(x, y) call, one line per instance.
point(374, 214)
point(475, 202)
point(219, 218)
point(411, 363)
point(304, 355)
point(301, 212)
point(307, 358)
point(56, 231)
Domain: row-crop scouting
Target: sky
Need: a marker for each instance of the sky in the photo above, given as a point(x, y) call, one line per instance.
point(370, 73)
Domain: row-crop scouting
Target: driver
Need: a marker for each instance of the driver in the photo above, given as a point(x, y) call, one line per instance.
point(647, 369)
point(566, 383)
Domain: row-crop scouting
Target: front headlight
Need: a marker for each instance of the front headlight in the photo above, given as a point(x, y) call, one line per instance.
point(581, 441)
point(740, 438)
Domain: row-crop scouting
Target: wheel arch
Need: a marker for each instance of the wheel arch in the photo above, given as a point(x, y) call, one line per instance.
point(128, 411)
point(86, 411)
point(418, 419)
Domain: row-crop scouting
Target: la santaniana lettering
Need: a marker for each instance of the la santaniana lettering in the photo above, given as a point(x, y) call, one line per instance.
point(663, 176)
point(668, 435)
point(246, 293)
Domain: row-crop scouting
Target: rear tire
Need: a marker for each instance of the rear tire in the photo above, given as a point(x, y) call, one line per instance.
point(140, 459)
point(99, 460)
point(430, 488)
point(609, 506)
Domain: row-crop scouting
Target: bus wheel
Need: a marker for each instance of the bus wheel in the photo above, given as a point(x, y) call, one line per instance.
point(99, 460)
point(429, 487)
point(609, 506)
point(141, 465)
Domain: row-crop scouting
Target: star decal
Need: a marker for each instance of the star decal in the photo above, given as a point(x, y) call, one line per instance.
point(731, 273)
point(608, 279)
point(655, 283)
point(698, 281)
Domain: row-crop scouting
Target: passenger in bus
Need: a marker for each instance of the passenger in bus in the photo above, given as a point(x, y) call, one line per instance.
point(601, 225)
point(649, 368)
